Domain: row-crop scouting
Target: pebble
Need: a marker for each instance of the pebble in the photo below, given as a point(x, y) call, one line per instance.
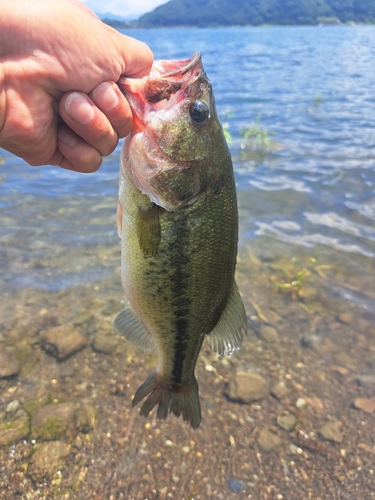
point(268, 333)
point(365, 404)
point(12, 406)
point(85, 418)
point(51, 421)
point(367, 448)
point(300, 403)
point(279, 390)
point(344, 358)
point(288, 421)
point(235, 485)
point(246, 387)
point(366, 380)
point(331, 431)
point(105, 342)
point(62, 342)
point(347, 318)
point(12, 431)
point(46, 459)
point(308, 293)
point(315, 403)
point(113, 307)
point(9, 364)
point(267, 440)
point(311, 340)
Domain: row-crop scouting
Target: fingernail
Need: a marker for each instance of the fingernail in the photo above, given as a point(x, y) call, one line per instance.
point(105, 96)
point(66, 137)
point(79, 108)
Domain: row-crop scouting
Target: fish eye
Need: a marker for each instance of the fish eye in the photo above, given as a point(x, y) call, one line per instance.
point(199, 112)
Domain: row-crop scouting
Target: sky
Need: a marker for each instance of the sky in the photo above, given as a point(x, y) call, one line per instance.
point(125, 8)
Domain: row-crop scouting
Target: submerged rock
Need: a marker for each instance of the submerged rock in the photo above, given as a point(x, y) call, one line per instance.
point(279, 390)
point(247, 387)
point(331, 431)
point(47, 459)
point(288, 421)
point(62, 342)
point(366, 380)
point(51, 421)
point(365, 404)
point(85, 418)
point(235, 485)
point(13, 430)
point(268, 333)
point(267, 440)
point(9, 364)
point(105, 342)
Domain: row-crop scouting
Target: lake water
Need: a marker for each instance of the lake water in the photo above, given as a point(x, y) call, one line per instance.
point(305, 180)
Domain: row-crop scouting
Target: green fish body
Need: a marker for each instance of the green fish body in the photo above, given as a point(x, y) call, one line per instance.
point(177, 217)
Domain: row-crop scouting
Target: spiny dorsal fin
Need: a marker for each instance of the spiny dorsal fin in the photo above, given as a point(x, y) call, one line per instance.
point(148, 230)
point(128, 325)
point(226, 336)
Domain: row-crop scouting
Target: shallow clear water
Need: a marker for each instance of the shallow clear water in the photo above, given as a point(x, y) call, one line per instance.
point(306, 258)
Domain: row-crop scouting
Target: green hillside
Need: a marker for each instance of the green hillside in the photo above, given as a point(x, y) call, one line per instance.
point(256, 12)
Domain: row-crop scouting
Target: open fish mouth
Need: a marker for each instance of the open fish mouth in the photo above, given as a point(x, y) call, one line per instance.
point(170, 69)
point(167, 70)
point(165, 85)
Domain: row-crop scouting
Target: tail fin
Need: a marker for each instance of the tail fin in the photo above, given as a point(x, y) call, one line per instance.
point(182, 401)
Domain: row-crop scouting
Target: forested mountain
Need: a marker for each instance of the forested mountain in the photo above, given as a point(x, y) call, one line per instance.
point(256, 12)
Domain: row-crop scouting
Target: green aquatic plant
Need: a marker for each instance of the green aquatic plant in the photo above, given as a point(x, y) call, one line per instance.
point(318, 100)
point(291, 277)
point(257, 141)
point(227, 134)
point(316, 106)
point(225, 119)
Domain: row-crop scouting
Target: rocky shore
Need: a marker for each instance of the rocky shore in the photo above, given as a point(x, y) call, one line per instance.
point(289, 416)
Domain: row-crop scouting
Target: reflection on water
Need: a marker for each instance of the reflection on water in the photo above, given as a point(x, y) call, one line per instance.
point(305, 271)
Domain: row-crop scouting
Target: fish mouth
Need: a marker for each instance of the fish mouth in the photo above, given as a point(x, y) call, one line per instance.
point(164, 69)
point(163, 86)
point(170, 69)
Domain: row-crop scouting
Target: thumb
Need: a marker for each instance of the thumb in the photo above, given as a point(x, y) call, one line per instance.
point(136, 56)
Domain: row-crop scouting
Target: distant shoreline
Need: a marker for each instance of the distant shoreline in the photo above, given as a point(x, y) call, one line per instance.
point(135, 25)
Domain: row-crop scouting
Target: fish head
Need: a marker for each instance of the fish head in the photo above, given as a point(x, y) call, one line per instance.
point(170, 150)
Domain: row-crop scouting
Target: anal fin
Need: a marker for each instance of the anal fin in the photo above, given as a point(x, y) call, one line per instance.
point(227, 335)
point(128, 325)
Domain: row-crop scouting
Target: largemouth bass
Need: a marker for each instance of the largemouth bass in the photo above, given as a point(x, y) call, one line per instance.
point(177, 217)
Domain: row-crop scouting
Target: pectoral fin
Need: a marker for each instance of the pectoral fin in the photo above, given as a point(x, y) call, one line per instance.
point(128, 325)
point(148, 230)
point(227, 335)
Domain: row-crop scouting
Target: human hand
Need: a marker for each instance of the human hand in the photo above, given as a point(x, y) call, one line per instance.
point(58, 100)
